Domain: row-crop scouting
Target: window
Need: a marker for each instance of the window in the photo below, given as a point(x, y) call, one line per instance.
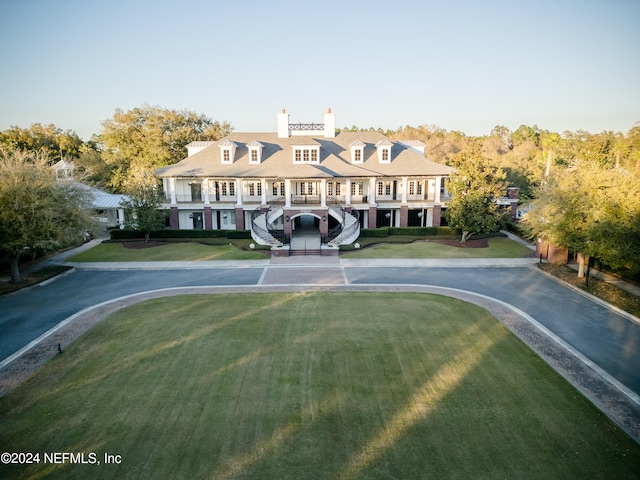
point(419, 188)
point(252, 188)
point(274, 189)
point(357, 151)
point(306, 155)
point(387, 188)
point(337, 188)
point(412, 188)
point(223, 188)
point(380, 188)
point(384, 151)
point(255, 151)
point(196, 192)
point(227, 151)
point(232, 189)
point(330, 189)
point(259, 188)
point(302, 186)
point(354, 188)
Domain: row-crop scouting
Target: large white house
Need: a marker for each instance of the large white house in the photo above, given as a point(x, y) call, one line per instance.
point(304, 173)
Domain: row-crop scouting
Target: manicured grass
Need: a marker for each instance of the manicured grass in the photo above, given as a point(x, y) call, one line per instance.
point(309, 386)
point(498, 248)
point(116, 252)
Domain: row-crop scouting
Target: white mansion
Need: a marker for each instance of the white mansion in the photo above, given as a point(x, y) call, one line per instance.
point(271, 183)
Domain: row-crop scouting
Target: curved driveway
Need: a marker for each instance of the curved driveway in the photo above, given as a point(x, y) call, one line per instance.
point(606, 337)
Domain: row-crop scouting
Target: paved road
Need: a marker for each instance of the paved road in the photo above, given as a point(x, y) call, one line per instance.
point(607, 338)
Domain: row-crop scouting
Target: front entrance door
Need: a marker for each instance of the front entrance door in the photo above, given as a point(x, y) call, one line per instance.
point(306, 235)
point(197, 220)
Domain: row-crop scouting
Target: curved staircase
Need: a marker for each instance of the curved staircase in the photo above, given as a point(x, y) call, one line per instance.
point(263, 231)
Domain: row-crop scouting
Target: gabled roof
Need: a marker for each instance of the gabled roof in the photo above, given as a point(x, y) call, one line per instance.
point(206, 143)
point(277, 159)
point(102, 199)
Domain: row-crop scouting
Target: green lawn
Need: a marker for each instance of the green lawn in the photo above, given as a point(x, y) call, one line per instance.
point(116, 252)
point(309, 386)
point(498, 248)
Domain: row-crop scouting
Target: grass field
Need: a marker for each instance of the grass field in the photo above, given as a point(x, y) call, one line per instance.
point(309, 386)
point(116, 252)
point(498, 248)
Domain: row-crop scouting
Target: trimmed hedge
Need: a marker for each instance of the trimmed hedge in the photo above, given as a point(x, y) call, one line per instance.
point(374, 232)
point(181, 234)
point(422, 231)
point(407, 231)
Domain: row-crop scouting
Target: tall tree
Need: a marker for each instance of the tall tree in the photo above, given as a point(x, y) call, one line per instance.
point(36, 210)
point(55, 142)
point(593, 210)
point(142, 210)
point(474, 188)
point(149, 137)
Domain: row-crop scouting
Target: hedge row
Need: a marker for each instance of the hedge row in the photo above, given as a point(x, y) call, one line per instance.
point(407, 231)
point(181, 234)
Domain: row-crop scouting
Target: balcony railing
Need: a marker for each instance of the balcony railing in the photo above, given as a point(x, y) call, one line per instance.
point(306, 126)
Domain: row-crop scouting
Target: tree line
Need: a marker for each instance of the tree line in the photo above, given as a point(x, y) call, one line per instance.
point(581, 188)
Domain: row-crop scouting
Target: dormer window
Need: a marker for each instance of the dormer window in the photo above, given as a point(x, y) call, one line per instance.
point(306, 154)
point(357, 151)
point(384, 151)
point(227, 151)
point(255, 151)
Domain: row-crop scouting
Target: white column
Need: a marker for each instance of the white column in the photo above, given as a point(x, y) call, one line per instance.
point(120, 218)
point(405, 189)
point(239, 187)
point(205, 187)
point(436, 198)
point(323, 192)
point(347, 195)
point(172, 190)
point(287, 193)
point(372, 191)
point(263, 183)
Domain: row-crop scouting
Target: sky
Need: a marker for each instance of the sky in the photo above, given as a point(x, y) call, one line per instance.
point(463, 65)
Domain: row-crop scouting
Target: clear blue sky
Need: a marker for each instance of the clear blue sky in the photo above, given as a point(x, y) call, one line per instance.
point(461, 65)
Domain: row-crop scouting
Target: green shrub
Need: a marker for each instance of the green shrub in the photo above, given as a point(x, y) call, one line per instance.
point(238, 234)
point(422, 231)
point(375, 232)
point(178, 234)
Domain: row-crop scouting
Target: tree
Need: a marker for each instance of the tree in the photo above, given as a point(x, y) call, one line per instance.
point(150, 137)
point(474, 188)
point(593, 210)
point(143, 209)
point(38, 212)
point(48, 138)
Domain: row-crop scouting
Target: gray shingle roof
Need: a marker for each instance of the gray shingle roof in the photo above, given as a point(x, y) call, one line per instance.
point(277, 159)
